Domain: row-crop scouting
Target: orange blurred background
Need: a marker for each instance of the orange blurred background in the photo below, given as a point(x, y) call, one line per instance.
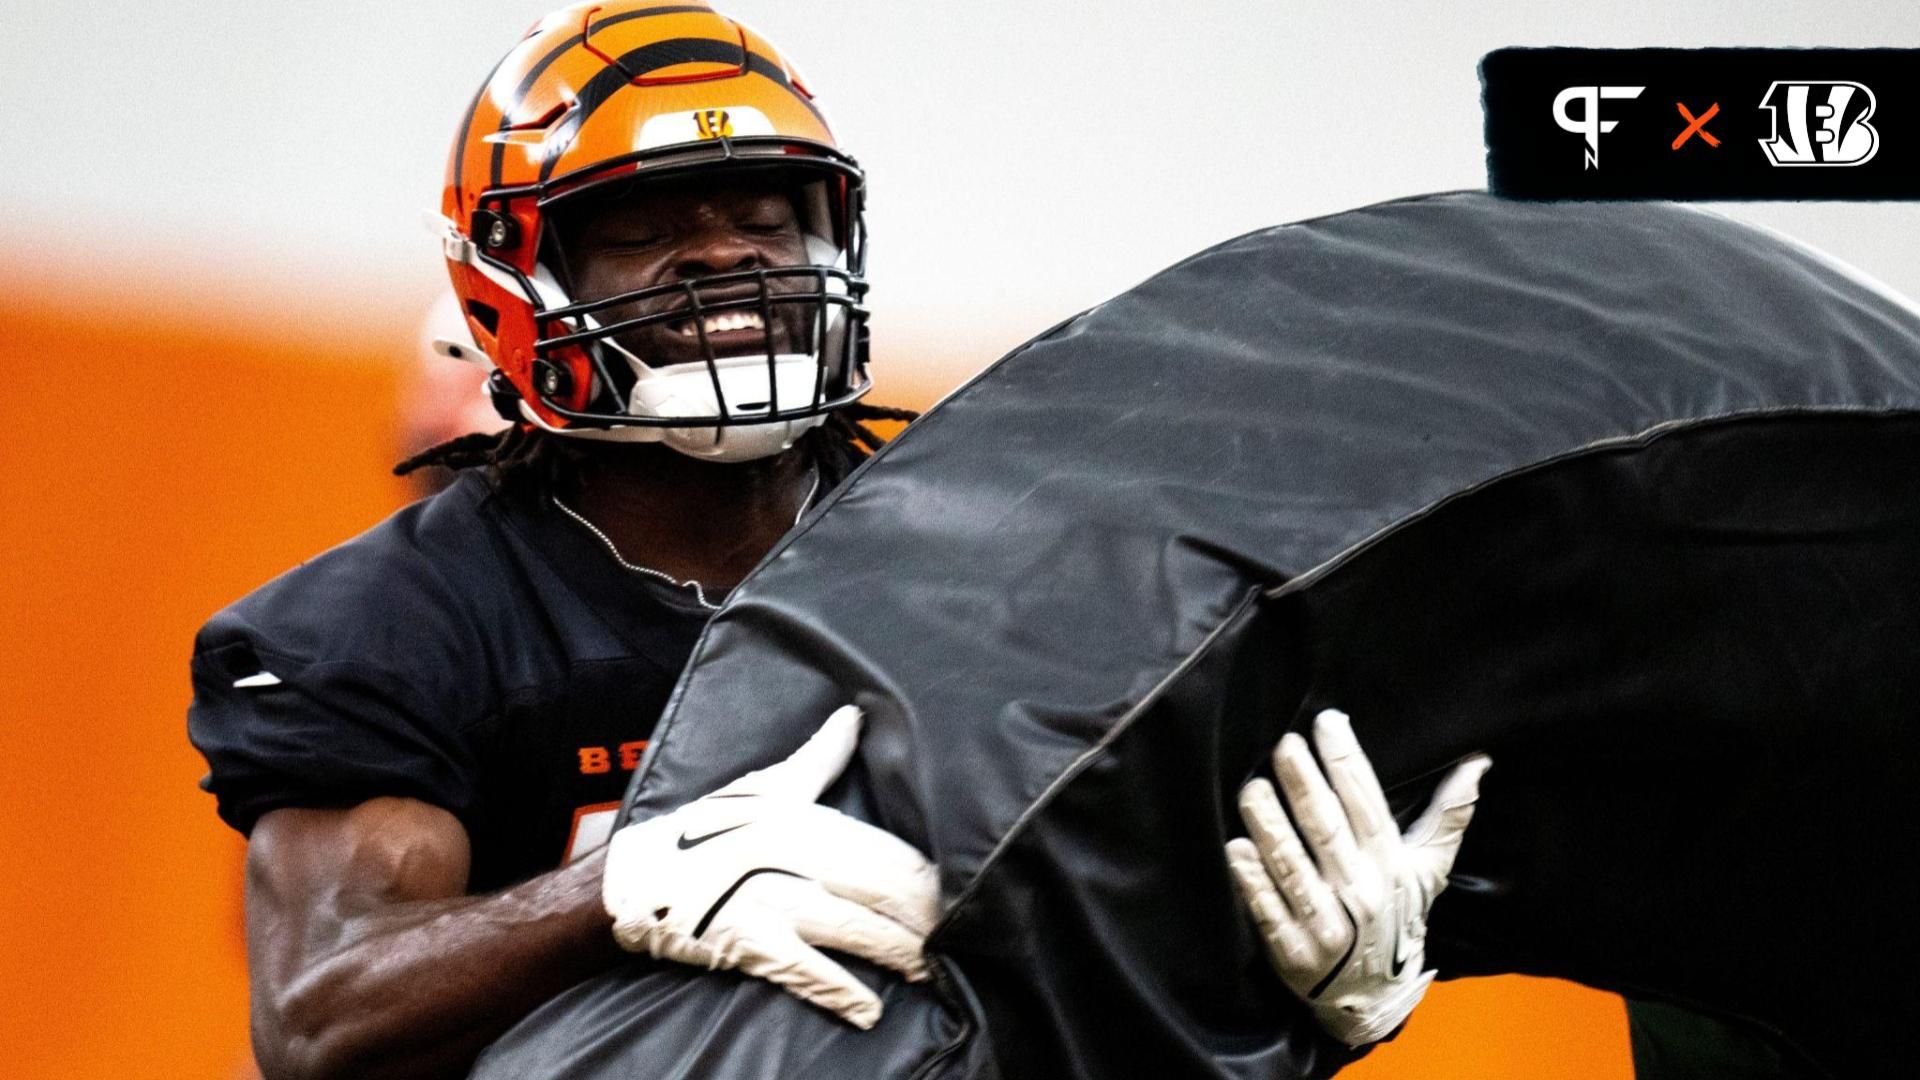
point(211, 451)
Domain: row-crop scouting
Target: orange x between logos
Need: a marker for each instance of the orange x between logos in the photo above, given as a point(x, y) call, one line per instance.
point(1697, 125)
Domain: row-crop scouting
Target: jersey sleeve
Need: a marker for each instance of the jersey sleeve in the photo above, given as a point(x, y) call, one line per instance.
point(345, 680)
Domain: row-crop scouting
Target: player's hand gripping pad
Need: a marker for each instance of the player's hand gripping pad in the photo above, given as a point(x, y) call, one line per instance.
point(1620, 495)
point(757, 877)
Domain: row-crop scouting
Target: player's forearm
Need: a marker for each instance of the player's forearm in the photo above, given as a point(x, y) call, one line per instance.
point(419, 989)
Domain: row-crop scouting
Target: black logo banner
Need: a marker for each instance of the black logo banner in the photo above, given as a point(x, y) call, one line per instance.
point(1702, 123)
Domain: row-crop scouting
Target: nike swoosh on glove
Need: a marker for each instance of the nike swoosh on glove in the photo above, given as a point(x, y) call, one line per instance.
point(759, 877)
point(1345, 914)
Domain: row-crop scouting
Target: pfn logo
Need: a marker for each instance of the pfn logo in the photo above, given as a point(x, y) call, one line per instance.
point(1826, 124)
point(1589, 123)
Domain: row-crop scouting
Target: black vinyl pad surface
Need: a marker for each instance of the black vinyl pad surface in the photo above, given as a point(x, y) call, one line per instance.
point(1622, 495)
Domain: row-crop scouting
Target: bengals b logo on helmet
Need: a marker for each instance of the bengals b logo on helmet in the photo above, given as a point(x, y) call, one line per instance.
point(713, 124)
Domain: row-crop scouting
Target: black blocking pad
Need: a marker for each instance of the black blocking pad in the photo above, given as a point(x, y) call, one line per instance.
point(1696, 662)
point(1618, 494)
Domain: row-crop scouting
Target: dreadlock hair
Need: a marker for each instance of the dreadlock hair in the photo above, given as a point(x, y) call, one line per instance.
point(527, 455)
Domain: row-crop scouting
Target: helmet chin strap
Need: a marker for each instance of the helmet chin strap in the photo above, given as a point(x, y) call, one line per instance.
point(688, 390)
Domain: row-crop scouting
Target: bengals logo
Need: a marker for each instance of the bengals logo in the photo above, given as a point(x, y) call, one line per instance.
point(714, 124)
point(1819, 123)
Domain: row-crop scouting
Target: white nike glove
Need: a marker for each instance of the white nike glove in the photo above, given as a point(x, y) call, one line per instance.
point(1347, 926)
point(756, 874)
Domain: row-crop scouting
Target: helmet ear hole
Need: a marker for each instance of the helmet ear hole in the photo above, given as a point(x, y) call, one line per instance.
point(486, 315)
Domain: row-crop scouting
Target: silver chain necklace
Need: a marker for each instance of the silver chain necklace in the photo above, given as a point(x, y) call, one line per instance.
point(699, 591)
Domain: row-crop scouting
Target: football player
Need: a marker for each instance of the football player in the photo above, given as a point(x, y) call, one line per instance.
point(425, 732)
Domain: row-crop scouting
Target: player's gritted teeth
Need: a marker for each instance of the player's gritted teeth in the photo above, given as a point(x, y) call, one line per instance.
point(734, 330)
point(732, 322)
point(726, 333)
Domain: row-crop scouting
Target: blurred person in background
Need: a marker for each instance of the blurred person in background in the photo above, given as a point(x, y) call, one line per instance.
point(443, 392)
point(425, 733)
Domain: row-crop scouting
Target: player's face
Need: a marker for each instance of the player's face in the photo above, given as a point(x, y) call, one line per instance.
point(666, 233)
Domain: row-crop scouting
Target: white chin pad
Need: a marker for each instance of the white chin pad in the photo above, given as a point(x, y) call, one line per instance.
point(688, 390)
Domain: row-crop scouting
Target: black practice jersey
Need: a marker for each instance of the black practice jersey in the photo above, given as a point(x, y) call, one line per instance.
point(478, 651)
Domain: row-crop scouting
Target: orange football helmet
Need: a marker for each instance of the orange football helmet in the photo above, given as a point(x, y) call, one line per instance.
point(619, 93)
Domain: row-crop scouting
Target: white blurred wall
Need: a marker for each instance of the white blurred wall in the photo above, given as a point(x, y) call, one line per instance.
point(1027, 159)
